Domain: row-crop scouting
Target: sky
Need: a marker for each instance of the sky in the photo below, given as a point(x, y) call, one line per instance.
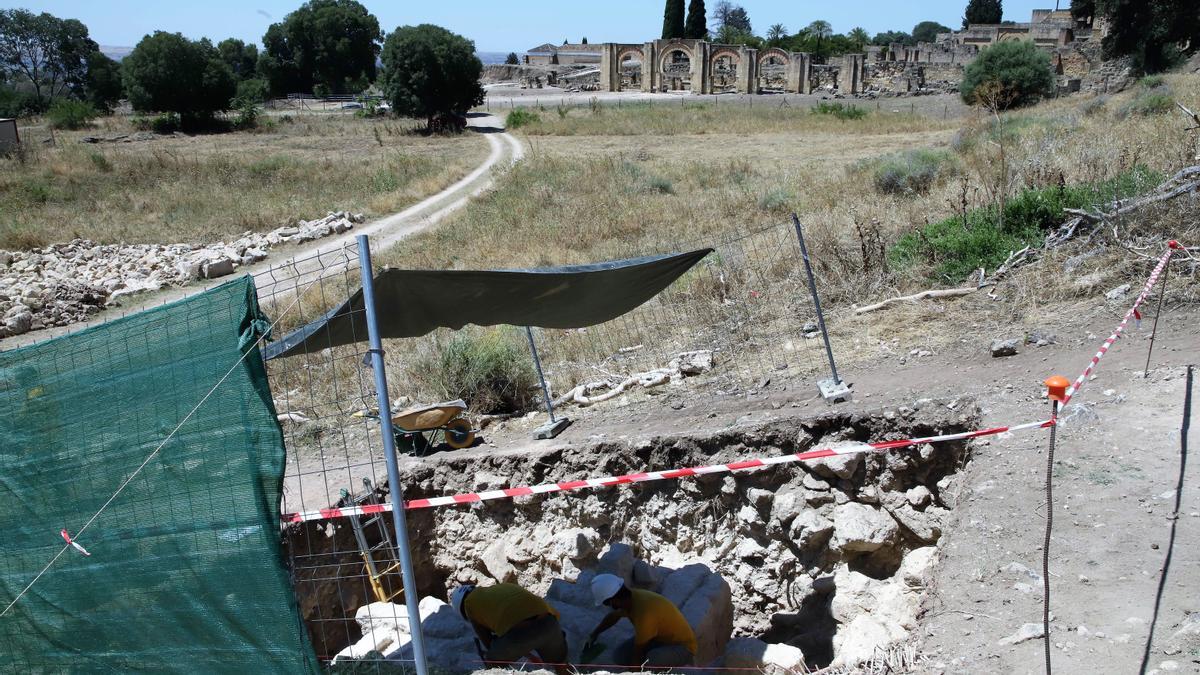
point(496, 25)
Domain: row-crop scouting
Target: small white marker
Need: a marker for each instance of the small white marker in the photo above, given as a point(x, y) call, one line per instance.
point(67, 537)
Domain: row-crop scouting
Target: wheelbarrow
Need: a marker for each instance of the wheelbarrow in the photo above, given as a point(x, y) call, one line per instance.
point(418, 428)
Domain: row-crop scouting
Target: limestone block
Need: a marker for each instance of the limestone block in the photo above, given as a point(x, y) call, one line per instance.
point(861, 528)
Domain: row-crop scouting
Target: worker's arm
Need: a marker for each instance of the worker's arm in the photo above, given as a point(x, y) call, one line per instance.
point(608, 622)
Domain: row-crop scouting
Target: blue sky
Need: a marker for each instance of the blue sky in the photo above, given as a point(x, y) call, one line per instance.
point(496, 25)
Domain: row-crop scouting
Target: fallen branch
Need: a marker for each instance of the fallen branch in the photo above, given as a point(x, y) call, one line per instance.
point(1190, 114)
point(685, 364)
point(923, 295)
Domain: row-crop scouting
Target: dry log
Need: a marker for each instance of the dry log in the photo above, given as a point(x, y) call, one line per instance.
point(923, 295)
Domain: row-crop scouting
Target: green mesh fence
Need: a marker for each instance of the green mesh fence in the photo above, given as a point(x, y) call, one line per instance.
point(186, 572)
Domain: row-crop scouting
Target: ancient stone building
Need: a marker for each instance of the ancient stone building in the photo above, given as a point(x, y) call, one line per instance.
point(563, 55)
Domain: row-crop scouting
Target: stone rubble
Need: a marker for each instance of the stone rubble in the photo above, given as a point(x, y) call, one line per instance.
point(64, 284)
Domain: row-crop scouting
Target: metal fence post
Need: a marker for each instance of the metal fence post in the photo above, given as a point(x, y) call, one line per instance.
point(389, 452)
point(556, 425)
point(833, 390)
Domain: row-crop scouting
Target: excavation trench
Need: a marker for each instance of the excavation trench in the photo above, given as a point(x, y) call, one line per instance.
point(828, 557)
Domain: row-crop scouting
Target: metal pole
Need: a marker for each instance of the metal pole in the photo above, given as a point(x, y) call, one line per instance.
point(1049, 527)
point(389, 452)
point(1157, 313)
point(537, 362)
point(812, 287)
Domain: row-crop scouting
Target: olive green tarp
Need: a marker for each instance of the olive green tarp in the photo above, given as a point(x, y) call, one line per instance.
point(186, 572)
point(412, 303)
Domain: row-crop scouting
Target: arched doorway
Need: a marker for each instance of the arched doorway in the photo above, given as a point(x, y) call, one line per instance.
point(676, 69)
point(724, 69)
point(772, 70)
point(630, 69)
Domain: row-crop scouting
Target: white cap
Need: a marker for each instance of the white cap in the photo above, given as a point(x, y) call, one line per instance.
point(457, 597)
point(604, 586)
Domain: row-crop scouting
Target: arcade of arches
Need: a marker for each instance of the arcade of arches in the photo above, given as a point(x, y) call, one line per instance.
point(703, 67)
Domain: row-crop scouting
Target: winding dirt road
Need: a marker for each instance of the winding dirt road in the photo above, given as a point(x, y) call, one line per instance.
point(287, 269)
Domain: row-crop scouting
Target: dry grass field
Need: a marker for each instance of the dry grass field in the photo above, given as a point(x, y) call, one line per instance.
point(203, 188)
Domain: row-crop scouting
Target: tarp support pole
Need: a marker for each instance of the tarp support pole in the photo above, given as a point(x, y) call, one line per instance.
point(833, 390)
point(389, 452)
point(537, 363)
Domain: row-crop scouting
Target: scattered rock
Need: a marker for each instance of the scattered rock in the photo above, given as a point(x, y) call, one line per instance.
point(1004, 348)
point(1026, 632)
point(1118, 292)
point(857, 527)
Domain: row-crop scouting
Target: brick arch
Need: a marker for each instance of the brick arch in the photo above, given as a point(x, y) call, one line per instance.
point(635, 51)
point(671, 49)
point(775, 52)
point(725, 51)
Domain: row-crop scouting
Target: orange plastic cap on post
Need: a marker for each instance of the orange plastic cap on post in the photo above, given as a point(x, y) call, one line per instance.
point(1174, 244)
point(1058, 387)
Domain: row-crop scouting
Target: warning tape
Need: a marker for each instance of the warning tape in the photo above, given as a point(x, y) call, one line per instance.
point(1133, 312)
point(628, 479)
point(646, 477)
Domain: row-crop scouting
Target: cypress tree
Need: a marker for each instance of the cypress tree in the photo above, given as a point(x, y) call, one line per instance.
point(697, 23)
point(673, 19)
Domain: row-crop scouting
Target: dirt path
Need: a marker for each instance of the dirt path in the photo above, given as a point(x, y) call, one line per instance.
point(289, 268)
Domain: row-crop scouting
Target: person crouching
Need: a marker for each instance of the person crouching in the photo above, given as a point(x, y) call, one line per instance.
point(511, 623)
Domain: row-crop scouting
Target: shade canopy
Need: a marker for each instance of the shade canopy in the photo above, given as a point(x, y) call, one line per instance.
point(411, 303)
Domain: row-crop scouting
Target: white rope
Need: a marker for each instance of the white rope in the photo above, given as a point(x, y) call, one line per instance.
point(151, 456)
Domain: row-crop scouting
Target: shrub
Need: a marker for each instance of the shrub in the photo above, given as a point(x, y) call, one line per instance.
point(913, 172)
point(956, 249)
point(519, 118)
point(15, 103)
point(100, 162)
point(66, 113)
point(490, 369)
point(659, 185)
point(1008, 75)
point(1152, 81)
point(1156, 101)
point(839, 110)
point(1094, 105)
point(776, 200)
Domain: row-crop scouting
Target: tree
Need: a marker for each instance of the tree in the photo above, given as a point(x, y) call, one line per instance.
point(103, 87)
point(51, 53)
point(1083, 10)
point(673, 20)
point(1154, 32)
point(584, 41)
point(927, 31)
point(333, 43)
point(983, 11)
point(776, 34)
point(167, 72)
point(512, 59)
point(859, 37)
point(892, 36)
point(819, 30)
point(731, 18)
point(430, 72)
point(1008, 75)
point(241, 57)
point(696, 26)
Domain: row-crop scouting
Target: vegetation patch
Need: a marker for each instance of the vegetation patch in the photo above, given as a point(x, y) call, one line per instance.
point(956, 247)
point(839, 111)
point(521, 118)
point(912, 172)
point(489, 368)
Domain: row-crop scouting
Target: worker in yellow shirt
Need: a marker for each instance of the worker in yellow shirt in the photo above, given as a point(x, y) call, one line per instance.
point(512, 623)
point(662, 638)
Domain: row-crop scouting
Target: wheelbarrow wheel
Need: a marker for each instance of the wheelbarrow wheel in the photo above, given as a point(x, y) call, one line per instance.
point(459, 433)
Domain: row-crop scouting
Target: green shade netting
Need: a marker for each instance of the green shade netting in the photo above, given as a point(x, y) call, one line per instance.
point(186, 572)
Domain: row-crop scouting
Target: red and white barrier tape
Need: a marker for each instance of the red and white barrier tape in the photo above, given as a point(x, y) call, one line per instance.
point(846, 449)
point(610, 481)
point(1133, 311)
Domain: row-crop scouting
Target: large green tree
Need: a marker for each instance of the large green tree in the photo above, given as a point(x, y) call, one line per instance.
point(859, 37)
point(167, 72)
point(983, 11)
point(47, 52)
point(1008, 75)
point(819, 31)
point(103, 87)
point(241, 57)
point(696, 26)
point(430, 72)
point(331, 43)
point(1083, 10)
point(892, 36)
point(673, 20)
point(1154, 32)
point(927, 31)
